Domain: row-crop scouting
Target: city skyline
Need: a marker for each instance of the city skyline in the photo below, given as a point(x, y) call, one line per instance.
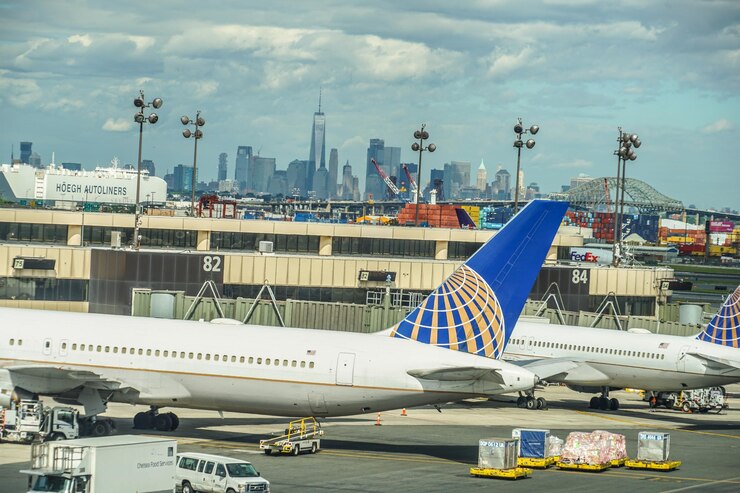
point(577, 68)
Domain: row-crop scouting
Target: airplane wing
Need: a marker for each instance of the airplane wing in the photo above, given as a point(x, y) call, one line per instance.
point(717, 362)
point(564, 370)
point(459, 374)
point(53, 379)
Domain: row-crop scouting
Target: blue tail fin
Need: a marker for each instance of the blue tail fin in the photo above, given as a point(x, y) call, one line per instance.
point(476, 308)
point(724, 329)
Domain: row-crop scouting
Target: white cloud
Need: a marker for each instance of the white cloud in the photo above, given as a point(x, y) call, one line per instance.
point(575, 164)
point(503, 64)
point(721, 125)
point(83, 39)
point(117, 125)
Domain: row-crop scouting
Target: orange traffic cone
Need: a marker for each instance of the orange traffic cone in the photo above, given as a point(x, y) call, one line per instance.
point(377, 421)
point(403, 412)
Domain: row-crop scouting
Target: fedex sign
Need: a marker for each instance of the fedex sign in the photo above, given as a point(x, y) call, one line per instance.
point(591, 255)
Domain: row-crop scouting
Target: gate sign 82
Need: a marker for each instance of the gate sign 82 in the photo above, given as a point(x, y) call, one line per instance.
point(579, 276)
point(212, 263)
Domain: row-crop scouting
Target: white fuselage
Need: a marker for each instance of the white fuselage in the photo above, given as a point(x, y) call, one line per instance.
point(242, 368)
point(623, 359)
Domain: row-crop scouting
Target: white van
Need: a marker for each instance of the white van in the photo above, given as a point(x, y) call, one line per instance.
point(217, 474)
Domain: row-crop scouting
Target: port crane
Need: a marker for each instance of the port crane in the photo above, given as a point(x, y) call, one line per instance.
point(387, 179)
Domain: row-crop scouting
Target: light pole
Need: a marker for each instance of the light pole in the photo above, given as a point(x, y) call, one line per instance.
point(627, 143)
point(197, 135)
point(139, 118)
point(422, 135)
point(519, 130)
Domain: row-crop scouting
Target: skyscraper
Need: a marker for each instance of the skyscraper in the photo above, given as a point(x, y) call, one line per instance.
point(183, 179)
point(373, 182)
point(26, 150)
point(456, 176)
point(501, 184)
point(482, 178)
point(148, 165)
point(243, 153)
point(347, 183)
point(260, 171)
point(321, 183)
point(297, 178)
point(317, 156)
point(333, 170)
point(222, 166)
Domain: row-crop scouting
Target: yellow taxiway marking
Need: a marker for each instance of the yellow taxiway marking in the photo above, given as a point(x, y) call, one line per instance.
point(659, 426)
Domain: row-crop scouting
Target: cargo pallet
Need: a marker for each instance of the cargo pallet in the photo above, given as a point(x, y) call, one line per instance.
point(537, 462)
point(515, 473)
point(668, 465)
point(584, 467)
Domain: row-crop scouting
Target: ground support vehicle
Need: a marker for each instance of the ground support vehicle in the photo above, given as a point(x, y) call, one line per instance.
point(514, 473)
point(689, 401)
point(28, 420)
point(301, 435)
point(119, 464)
point(537, 462)
point(583, 467)
point(217, 474)
point(668, 465)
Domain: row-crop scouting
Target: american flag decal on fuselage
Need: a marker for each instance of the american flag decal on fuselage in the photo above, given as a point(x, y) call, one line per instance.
point(463, 314)
point(724, 329)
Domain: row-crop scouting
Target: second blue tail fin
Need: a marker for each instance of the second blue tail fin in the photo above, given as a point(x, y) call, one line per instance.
point(724, 328)
point(476, 308)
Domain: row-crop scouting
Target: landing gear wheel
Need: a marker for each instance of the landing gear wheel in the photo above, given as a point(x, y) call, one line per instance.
point(613, 404)
point(144, 421)
point(100, 429)
point(314, 448)
point(603, 403)
point(541, 403)
point(531, 403)
point(163, 422)
point(296, 450)
point(521, 401)
point(175, 421)
point(594, 403)
point(186, 488)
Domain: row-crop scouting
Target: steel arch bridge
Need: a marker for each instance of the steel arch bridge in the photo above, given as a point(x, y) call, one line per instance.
point(596, 194)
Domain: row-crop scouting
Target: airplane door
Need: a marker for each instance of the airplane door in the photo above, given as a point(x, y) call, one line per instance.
point(345, 369)
point(47, 347)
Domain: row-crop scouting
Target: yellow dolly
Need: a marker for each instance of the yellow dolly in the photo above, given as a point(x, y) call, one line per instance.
point(668, 465)
point(617, 462)
point(515, 473)
point(537, 463)
point(583, 467)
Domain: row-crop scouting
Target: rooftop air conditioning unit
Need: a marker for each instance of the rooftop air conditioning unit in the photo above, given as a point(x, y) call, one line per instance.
point(265, 247)
point(115, 239)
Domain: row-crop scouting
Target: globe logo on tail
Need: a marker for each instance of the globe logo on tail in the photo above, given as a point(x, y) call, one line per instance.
point(463, 314)
point(724, 329)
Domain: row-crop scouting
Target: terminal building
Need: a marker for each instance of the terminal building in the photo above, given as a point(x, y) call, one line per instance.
point(80, 261)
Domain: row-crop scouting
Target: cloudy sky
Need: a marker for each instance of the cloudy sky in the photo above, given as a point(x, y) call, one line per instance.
point(667, 70)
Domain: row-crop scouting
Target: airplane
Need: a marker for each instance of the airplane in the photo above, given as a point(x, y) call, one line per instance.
point(599, 360)
point(94, 359)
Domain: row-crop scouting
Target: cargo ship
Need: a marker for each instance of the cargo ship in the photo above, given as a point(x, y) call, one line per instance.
point(22, 183)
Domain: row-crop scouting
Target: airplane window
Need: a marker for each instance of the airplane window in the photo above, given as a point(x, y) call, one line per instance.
point(208, 356)
point(267, 361)
point(293, 363)
point(148, 352)
point(12, 342)
point(241, 359)
point(107, 349)
point(259, 361)
point(277, 362)
point(165, 353)
point(131, 351)
point(182, 354)
point(310, 364)
point(90, 347)
point(20, 342)
point(74, 347)
point(233, 359)
point(285, 362)
point(115, 349)
point(662, 356)
point(190, 355)
point(156, 352)
point(100, 348)
point(82, 347)
point(251, 360)
point(200, 355)
point(303, 364)
point(141, 351)
point(215, 357)
point(64, 345)
point(174, 354)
